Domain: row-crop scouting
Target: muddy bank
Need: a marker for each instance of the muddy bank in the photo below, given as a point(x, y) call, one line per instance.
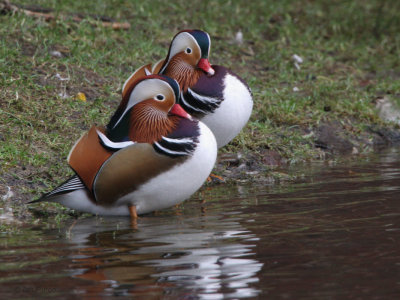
point(332, 139)
point(261, 165)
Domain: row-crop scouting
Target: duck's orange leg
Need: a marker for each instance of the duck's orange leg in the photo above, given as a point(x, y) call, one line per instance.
point(133, 213)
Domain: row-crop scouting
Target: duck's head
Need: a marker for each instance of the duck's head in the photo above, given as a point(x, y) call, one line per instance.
point(148, 111)
point(187, 57)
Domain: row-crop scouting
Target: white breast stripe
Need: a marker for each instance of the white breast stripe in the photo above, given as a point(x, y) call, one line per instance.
point(111, 144)
point(192, 107)
point(203, 99)
point(178, 141)
point(171, 151)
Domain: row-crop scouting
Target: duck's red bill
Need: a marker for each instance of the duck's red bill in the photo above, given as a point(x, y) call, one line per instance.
point(179, 111)
point(204, 64)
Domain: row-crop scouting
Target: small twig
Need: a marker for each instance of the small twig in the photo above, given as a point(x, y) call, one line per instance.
point(47, 15)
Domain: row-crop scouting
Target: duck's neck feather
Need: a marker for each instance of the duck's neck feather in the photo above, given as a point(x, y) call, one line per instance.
point(184, 73)
point(148, 125)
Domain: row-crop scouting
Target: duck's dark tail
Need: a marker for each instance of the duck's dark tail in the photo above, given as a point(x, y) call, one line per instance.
point(72, 184)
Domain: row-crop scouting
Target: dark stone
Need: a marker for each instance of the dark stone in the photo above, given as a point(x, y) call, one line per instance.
point(271, 158)
point(328, 137)
point(385, 136)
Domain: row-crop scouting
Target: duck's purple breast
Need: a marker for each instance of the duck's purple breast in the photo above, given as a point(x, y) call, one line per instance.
point(186, 129)
point(207, 94)
point(181, 142)
point(212, 86)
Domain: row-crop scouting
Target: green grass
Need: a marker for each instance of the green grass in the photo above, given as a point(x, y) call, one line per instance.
point(350, 51)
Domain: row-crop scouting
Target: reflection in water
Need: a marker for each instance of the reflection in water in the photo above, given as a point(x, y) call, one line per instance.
point(334, 234)
point(206, 257)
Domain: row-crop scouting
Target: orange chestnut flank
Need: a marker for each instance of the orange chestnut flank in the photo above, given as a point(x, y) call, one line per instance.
point(213, 94)
point(151, 155)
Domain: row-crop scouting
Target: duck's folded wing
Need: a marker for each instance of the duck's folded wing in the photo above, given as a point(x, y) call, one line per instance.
point(129, 168)
point(88, 155)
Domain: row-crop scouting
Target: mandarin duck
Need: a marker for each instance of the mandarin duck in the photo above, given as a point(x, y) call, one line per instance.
point(151, 155)
point(213, 94)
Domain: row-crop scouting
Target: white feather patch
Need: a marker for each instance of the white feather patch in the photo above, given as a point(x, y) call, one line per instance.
point(178, 141)
point(192, 107)
point(204, 99)
point(172, 152)
point(111, 144)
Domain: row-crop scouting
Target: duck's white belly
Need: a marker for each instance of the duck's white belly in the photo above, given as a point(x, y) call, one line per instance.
point(179, 183)
point(163, 191)
point(232, 115)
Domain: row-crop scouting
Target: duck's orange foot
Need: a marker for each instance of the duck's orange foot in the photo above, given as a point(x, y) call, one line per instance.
point(134, 217)
point(215, 178)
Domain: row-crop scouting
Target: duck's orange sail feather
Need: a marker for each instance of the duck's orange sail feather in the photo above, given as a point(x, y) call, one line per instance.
point(87, 156)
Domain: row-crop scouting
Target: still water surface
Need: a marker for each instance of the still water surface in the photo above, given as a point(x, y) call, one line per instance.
point(334, 234)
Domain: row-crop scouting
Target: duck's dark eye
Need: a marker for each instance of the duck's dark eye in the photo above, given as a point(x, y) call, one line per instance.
point(160, 97)
point(188, 50)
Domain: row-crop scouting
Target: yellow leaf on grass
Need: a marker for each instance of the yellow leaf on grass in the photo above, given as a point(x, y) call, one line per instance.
point(81, 96)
